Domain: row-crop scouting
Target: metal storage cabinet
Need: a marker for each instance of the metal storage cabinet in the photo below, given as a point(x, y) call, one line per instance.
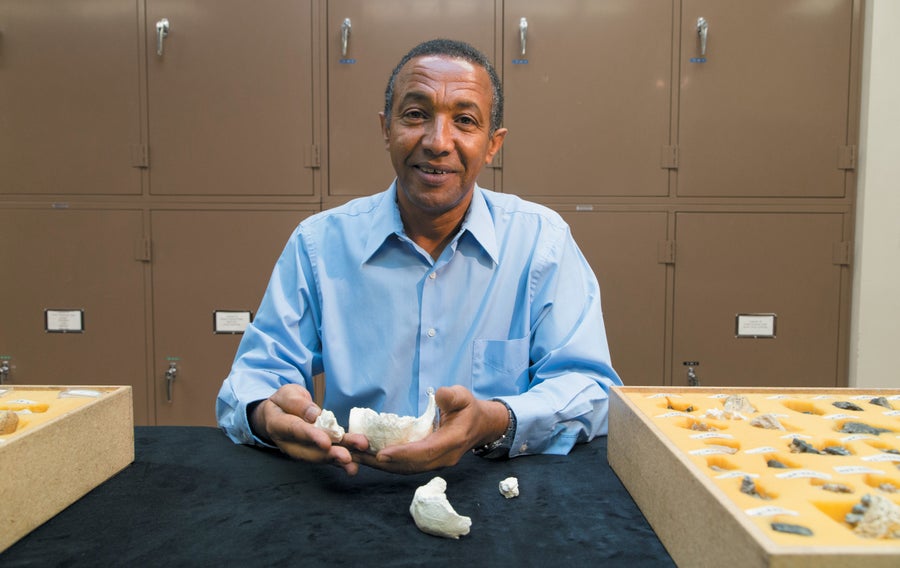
point(377, 35)
point(759, 263)
point(623, 248)
point(765, 111)
point(69, 98)
point(75, 260)
point(230, 88)
point(588, 97)
point(203, 262)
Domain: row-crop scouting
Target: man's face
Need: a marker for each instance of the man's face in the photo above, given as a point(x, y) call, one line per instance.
point(438, 135)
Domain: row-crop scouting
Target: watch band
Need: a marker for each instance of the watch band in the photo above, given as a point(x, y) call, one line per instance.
point(500, 447)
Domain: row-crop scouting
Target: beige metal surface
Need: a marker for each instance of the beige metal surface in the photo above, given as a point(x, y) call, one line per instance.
point(206, 261)
point(74, 260)
point(754, 140)
point(588, 105)
point(230, 98)
point(622, 249)
point(745, 263)
point(69, 97)
point(766, 114)
point(380, 33)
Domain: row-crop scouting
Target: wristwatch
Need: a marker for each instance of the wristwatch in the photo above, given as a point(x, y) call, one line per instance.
point(500, 447)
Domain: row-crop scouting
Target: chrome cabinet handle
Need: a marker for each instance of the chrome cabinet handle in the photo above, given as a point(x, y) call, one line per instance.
point(345, 36)
point(171, 373)
point(162, 30)
point(523, 34)
point(703, 32)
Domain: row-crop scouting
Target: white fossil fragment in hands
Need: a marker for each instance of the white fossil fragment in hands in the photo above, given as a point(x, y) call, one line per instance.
point(433, 513)
point(385, 429)
point(327, 421)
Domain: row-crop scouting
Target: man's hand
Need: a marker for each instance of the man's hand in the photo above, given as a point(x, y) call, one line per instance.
point(465, 424)
point(286, 420)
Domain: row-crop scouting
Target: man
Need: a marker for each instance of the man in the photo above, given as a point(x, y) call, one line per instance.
point(434, 283)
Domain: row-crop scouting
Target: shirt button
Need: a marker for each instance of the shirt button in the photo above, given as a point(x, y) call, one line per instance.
point(433, 275)
point(431, 332)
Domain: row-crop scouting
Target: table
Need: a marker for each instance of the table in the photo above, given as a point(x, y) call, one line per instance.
point(192, 498)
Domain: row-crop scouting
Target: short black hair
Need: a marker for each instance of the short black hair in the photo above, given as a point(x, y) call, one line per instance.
point(456, 50)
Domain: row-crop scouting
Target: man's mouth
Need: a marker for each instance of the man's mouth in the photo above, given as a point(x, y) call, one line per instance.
point(432, 171)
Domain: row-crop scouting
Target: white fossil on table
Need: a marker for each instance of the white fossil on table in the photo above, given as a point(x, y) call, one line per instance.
point(509, 487)
point(384, 429)
point(433, 513)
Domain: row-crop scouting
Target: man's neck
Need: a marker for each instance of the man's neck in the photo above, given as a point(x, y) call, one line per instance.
point(432, 232)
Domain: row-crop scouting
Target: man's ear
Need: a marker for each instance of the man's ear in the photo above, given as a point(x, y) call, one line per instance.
point(385, 130)
point(496, 143)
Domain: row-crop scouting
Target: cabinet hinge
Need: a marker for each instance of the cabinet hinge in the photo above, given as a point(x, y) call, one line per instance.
point(665, 252)
point(840, 253)
point(140, 156)
point(847, 158)
point(142, 249)
point(313, 160)
point(669, 158)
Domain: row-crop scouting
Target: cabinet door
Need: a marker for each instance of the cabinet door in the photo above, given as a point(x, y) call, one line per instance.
point(588, 91)
point(378, 35)
point(81, 265)
point(206, 262)
point(230, 97)
point(758, 299)
point(622, 249)
point(764, 112)
point(69, 97)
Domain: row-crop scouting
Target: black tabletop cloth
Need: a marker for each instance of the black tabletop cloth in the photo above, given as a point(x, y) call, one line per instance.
point(192, 498)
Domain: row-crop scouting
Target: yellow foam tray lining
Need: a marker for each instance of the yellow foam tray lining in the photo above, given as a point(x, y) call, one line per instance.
point(39, 406)
point(727, 451)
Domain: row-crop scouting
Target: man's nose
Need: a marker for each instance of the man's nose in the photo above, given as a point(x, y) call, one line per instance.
point(438, 137)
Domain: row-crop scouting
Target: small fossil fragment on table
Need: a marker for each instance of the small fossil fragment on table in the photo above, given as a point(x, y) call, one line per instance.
point(836, 451)
point(861, 428)
point(844, 405)
point(509, 487)
point(791, 528)
point(837, 488)
point(767, 421)
point(799, 446)
point(875, 517)
point(737, 406)
point(9, 421)
point(882, 401)
point(748, 487)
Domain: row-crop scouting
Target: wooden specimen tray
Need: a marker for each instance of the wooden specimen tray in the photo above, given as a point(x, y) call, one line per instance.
point(68, 441)
point(685, 464)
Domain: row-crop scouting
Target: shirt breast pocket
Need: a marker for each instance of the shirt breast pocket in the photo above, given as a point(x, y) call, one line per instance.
point(500, 366)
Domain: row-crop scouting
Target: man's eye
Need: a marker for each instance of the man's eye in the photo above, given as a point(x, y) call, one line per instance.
point(414, 115)
point(467, 120)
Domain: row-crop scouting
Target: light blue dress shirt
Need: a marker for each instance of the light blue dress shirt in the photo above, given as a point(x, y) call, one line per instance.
point(510, 310)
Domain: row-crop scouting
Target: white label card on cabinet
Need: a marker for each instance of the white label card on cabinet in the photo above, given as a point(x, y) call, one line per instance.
point(228, 321)
point(755, 326)
point(64, 321)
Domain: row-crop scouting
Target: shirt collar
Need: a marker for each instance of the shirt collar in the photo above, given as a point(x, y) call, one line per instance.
point(386, 223)
point(480, 224)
